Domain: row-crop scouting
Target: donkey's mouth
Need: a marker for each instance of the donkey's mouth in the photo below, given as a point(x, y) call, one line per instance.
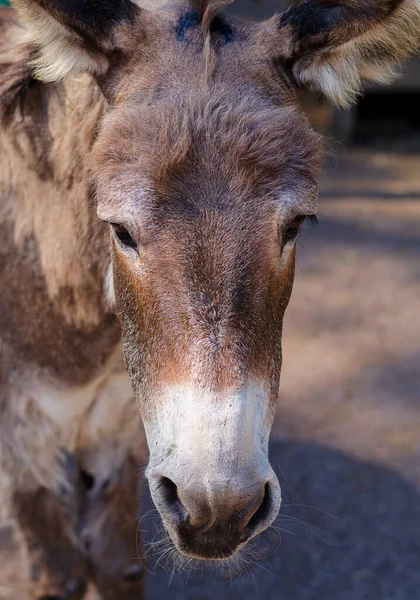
point(204, 534)
point(216, 545)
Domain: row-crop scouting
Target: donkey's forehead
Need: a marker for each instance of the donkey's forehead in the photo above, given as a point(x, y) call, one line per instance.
point(206, 146)
point(129, 199)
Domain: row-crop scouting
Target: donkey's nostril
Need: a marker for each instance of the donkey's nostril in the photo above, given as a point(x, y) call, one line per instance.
point(213, 518)
point(168, 490)
point(262, 512)
point(166, 497)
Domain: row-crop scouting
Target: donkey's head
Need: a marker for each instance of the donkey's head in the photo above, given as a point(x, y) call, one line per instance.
point(205, 170)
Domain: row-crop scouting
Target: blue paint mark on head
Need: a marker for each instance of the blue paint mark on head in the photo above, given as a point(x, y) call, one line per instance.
point(187, 21)
point(221, 26)
point(192, 19)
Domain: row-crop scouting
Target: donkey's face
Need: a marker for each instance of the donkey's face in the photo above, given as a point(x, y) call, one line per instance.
point(204, 170)
point(205, 200)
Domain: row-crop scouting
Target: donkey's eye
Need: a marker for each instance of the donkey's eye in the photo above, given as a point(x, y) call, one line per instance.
point(123, 236)
point(292, 230)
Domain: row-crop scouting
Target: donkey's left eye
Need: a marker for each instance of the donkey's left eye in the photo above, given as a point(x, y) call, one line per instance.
point(123, 236)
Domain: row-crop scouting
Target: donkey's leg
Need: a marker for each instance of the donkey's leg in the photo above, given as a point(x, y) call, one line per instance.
point(111, 533)
point(47, 526)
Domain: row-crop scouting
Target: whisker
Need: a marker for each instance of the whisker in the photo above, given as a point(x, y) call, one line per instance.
point(276, 528)
point(315, 530)
point(320, 510)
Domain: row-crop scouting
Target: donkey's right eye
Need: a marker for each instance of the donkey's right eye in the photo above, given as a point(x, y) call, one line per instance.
point(123, 236)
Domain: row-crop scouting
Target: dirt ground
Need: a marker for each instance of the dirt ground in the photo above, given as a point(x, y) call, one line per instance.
point(346, 442)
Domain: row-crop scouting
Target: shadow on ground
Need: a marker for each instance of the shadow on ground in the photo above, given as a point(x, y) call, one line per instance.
point(351, 532)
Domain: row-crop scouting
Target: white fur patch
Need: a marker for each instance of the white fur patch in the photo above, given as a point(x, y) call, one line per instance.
point(109, 287)
point(99, 422)
point(210, 431)
point(214, 441)
point(63, 405)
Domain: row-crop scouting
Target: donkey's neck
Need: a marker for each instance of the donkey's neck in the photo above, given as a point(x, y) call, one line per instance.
point(56, 251)
point(48, 196)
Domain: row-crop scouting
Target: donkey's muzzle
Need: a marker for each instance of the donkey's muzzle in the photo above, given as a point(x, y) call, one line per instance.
point(213, 520)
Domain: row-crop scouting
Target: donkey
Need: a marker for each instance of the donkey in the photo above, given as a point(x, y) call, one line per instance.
point(155, 171)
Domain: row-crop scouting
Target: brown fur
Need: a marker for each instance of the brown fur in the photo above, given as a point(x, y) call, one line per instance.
point(112, 535)
point(41, 243)
point(238, 142)
point(14, 58)
point(55, 564)
point(201, 151)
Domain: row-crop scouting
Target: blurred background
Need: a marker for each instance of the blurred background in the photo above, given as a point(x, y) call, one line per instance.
point(346, 442)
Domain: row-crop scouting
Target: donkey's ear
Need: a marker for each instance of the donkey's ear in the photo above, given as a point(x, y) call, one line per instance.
point(74, 35)
point(335, 45)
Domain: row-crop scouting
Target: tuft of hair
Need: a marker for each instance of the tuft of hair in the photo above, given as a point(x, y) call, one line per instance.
point(59, 50)
point(245, 140)
point(373, 55)
point(209, 10)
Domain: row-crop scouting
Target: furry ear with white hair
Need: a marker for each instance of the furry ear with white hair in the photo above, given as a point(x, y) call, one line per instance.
point(74, 35)
point(336, 45)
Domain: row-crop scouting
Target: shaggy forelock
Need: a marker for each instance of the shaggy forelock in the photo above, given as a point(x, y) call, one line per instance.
point(247, 142)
